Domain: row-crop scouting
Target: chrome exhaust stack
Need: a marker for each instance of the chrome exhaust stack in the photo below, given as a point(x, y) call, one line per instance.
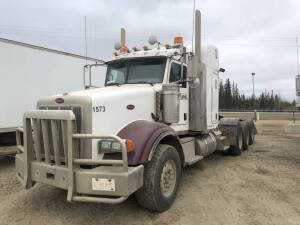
point(123, 37)
point(198, 120)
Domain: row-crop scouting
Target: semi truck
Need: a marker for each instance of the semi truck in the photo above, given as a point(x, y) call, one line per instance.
point(34, 72)
point(156, 115)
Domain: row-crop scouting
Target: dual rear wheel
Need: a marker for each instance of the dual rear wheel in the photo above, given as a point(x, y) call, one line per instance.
point(244, 138)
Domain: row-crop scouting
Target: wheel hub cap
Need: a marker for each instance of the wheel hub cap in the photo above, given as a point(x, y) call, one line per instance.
point(168, 178)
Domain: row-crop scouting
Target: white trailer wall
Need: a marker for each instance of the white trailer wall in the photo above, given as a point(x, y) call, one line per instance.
point(28, 73)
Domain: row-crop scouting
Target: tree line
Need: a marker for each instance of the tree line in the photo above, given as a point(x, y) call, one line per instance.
point(231, 98)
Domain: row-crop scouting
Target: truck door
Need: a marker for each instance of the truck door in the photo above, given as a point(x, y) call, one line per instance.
point(175, 75)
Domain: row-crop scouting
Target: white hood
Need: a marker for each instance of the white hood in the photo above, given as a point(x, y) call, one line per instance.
point(110, 105)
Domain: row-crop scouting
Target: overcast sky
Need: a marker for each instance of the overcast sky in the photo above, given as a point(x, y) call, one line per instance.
point(252, 36)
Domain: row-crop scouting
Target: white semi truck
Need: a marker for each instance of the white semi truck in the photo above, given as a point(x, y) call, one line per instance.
point(157, 114)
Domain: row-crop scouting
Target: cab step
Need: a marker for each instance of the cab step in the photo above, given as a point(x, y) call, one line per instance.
point(222, 143)
point(193, 160)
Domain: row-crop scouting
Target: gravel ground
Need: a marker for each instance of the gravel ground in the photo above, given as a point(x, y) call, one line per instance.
point(260, 187)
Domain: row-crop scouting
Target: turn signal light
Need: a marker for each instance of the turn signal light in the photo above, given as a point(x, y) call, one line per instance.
point(129, 145)
point(178, 40)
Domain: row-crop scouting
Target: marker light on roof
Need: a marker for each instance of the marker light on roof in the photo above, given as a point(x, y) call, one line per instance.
point(124, 49)
point(145, 47)
point(178, 40)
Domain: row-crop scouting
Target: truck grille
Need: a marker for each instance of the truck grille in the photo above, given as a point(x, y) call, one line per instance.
point(76, 110)
point(58, 140)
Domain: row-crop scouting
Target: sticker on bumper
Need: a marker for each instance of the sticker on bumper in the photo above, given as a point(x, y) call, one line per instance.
point(102, 184)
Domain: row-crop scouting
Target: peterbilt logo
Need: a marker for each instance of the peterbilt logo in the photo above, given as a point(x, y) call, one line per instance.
point(130, 107)
point(59, 100)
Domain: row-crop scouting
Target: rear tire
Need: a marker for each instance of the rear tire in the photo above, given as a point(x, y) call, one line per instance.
point(236, 149)
point(161, 179)
point(251, 133)
point(246, 133)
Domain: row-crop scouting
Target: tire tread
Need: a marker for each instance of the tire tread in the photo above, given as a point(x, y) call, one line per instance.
point(146, 195)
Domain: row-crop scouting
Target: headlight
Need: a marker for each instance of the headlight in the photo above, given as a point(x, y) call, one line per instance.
point(109, 146)
point(116, 146)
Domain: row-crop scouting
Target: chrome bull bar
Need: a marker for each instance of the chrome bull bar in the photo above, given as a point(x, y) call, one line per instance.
point(39, 144)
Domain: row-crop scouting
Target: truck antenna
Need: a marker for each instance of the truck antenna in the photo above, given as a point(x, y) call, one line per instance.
point(85, 40)
point(193, 30)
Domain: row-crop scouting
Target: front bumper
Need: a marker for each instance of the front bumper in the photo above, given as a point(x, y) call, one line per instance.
point(109, 181)
point(126, 183)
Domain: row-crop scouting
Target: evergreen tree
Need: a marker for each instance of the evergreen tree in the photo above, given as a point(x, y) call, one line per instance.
point(272, 101)
point(221, 96)
point(228, 94)
point(230, 98)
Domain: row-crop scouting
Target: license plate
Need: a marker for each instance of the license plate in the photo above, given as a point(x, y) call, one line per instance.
point(102, 184)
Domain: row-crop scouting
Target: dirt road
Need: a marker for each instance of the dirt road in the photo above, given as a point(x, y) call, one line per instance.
point(260, 187)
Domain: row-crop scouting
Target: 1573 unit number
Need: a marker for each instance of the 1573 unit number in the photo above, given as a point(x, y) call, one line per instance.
point(100, 108)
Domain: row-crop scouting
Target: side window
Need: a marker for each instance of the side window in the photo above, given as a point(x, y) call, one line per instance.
point(175, 73)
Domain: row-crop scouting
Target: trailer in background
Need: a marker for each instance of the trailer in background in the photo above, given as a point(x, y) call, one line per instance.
point(29, 72)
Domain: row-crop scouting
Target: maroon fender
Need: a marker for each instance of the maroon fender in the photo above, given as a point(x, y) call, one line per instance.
point(143, 134)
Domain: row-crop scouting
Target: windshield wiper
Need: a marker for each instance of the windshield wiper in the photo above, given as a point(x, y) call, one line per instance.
point(145, 82)
point(112, 84)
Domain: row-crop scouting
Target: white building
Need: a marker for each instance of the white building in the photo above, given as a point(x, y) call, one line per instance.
point(29, 72)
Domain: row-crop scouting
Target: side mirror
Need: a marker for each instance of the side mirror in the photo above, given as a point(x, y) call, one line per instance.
point(221, 70)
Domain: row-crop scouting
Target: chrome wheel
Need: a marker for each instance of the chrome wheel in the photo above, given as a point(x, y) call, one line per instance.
point(168, 178)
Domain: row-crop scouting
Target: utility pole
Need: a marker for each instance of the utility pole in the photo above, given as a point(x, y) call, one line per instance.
point(253, 98)
point(297, 78)
point(297, 55)
point(253, 95)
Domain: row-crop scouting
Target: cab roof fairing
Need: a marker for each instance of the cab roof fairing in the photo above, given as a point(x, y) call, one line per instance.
point(162, 52)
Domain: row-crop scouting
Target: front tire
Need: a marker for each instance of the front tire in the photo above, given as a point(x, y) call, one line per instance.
point(161, 179)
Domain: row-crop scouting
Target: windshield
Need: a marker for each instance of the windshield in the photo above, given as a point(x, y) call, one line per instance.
point(135, 71)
